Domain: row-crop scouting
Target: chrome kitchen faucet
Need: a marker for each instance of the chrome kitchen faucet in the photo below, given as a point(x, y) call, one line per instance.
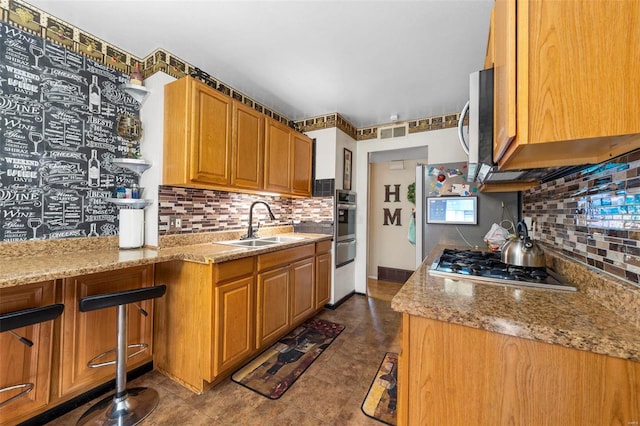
point(250, 231)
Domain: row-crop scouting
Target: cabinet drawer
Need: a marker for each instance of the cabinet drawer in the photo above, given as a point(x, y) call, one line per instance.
point(233, 269)
point(323, 246)
point(282, 257)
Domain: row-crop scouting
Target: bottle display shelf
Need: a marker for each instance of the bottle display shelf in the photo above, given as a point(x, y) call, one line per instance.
point(135, 91)
point(136, 165)
point(132, 203)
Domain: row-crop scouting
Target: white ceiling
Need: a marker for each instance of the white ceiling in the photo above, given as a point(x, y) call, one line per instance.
point(366, 60)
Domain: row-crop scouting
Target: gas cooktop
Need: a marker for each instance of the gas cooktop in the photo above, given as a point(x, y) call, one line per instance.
point(487, 267)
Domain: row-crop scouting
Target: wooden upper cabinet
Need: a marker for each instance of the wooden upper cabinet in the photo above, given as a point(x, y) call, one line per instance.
point(301, 165)
point(247, 147)
point(566, 86)
point(214, 141)
point(277, 167)
point(197, 133)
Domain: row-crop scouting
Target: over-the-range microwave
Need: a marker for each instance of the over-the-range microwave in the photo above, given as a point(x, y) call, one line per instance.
point(479, 143)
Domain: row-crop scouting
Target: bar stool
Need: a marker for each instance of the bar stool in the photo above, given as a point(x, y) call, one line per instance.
point(127, 406)
point(17, 319)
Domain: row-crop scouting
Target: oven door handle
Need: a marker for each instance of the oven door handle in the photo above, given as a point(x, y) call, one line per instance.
point(347, 206)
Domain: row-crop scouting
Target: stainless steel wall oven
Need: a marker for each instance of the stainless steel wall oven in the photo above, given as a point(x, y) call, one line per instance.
point(345, 227)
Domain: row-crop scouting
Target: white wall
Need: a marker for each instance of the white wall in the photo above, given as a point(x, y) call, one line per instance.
point(325, 152)
point(152, 117)
point(388, 244)
point(443, 147)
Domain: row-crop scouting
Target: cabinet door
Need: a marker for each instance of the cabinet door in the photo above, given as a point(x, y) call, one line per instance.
point(21, 363)
point(88, 334)
point(303, 290)
point(210, 136)
point(301, 164)
point(272, 305)
point(247, 147)
point(277, 167)
point(504, 75)
point(323, 279)
point(234, 324)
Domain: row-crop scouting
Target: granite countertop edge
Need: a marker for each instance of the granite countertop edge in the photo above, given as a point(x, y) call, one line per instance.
point(573, 320)
point(16, 271)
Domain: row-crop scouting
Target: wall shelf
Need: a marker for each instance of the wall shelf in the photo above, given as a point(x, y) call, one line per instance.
point(135, 91)
point(136, 165)
point(132, 203)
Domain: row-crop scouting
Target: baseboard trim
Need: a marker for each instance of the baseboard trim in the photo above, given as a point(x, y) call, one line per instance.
point(339, 302)
point(82, 399)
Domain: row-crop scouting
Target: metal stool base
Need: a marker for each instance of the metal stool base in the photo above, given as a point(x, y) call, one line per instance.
point(129, 410)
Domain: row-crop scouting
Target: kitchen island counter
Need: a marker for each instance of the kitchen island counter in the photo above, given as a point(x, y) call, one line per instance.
point(585, 320)
point(59, 260)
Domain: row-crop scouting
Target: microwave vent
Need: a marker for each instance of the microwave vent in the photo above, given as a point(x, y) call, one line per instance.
point(390, 132)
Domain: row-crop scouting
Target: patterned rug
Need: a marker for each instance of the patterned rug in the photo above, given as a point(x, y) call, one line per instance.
point(380, 403)
point(277, 368)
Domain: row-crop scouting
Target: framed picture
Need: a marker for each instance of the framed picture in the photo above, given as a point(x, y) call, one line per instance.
point(346, 171)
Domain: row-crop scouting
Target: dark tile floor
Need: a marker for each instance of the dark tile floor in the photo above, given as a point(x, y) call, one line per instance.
point(330, 392)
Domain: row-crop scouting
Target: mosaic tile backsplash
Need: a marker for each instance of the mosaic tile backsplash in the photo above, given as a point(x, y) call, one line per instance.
point(210, 211)
point(593, 216)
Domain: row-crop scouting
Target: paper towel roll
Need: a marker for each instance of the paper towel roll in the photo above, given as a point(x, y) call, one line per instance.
point(131, 228)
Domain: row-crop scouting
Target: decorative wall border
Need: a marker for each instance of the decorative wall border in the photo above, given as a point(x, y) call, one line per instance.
point(38, 22)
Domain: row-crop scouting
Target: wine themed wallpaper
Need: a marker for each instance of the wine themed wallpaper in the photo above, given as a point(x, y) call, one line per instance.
point(58, 117)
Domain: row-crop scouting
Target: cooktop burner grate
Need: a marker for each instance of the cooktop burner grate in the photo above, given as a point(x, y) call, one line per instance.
point(488, 267)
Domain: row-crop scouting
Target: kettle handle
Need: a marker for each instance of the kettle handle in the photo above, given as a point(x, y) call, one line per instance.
point(523, 234)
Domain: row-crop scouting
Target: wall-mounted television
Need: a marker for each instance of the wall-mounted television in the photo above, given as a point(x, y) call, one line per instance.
point(452, 210)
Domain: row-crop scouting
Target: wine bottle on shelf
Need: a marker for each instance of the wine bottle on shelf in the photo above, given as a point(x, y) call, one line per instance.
point(94, 95)
point(136, 75)
point(94, 169)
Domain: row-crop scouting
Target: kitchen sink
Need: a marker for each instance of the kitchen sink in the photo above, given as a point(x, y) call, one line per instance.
point(248, 243)
point(260, 242)
point(281, 239)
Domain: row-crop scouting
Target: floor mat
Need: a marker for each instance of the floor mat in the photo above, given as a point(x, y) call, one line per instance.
point(277, 368)
point(380, 403)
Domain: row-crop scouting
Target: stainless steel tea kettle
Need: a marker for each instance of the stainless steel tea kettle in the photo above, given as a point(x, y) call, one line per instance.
point(522, 251)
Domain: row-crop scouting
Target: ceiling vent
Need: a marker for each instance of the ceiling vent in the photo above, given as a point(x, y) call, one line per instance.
point(395, 131)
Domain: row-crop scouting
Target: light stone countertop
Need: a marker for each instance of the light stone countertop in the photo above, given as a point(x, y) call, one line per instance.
point(584, 320)
point(24, 269)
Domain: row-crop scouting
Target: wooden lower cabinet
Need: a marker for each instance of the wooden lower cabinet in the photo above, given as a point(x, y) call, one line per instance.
point(88, 334)
point(215, 317)
point(273, 305)
point(455, 375)
point(234, 319)
point(323, 273)
point(20, 363)
point(302, 290)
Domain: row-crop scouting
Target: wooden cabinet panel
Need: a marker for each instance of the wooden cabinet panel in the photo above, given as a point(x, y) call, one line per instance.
point(504, 76)
point(277, 168)
point(214, 141)
point(302, 290)
point(272, 305)
point(493, 379)
point(21, 363)
point(87, 334)
point(301, 165)
point(211, 125)
point(247, 169)
point(556, 102)
point(285, 256)
point(234, 324)
point(323, 279)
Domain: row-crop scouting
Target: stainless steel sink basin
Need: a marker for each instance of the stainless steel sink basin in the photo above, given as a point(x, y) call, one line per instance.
point(281, 239)
point(248, 243)
point(260, 242)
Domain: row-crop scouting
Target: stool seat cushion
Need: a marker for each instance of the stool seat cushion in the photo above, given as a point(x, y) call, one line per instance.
point(26, 317)
point(107, 300)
